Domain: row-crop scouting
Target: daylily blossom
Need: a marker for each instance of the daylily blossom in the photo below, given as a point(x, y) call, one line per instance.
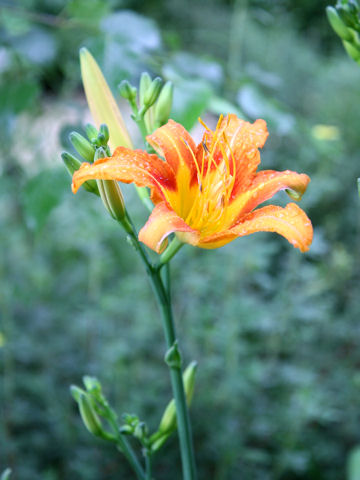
point(207, 194)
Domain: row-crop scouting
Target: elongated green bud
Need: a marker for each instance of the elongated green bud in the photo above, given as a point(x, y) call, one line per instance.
point(91, 131)
point(352, 50)
point(164, 104)
point(82, 146)
point(105, 132)
point(76, 393)
point(337, 24)
point(127, 91)
point(89, 416)
point(347, 16)
point(110, 193)
point(115, 199)
point(153, 92)
point(72, 164)
point(358, 185)
point(145, 82)
point(168, 421)
point(92, 384)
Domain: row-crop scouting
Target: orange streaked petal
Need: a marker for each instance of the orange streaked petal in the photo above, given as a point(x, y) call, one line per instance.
point(175, 144)
point(243, 139)
point(162, 222)
point(129, 166)
point(291, 222)
point(264, 186)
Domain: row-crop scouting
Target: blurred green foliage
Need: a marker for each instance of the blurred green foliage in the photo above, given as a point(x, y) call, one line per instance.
point(276, 333)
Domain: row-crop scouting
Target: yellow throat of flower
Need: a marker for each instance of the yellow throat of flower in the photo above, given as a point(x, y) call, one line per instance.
point(215, 182)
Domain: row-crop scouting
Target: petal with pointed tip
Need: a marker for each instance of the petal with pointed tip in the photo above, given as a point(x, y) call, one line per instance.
point(264, 186)
point(291, 222)
point(101, 102)
point(129, 166)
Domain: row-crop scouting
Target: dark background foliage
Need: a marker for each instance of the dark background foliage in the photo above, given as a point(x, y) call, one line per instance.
point(276, 333)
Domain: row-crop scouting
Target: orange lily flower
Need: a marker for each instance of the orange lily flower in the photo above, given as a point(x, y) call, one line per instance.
point(207, 194)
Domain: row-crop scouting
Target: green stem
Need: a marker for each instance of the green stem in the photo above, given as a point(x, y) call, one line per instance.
point(182, 413)
point(171, 250)
point(125, 448)
point(148, 465)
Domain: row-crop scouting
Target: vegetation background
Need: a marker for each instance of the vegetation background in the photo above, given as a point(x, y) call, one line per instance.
point(276, 333)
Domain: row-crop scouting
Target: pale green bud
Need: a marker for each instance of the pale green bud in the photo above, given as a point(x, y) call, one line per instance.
point(173, 356)
point(145, 82)
point(76, 392)
point(337, 24)
point(115, 200)
point(92, 384)
point(352, 50)
point(168, 421)
point(141, 431)
point(91, 131)
point(72, 164)
point(164, 104)
point(105, 132)
point(152, 93)
point(110, 193)
point(127, 91)
point(89, 416)
point(82, 146)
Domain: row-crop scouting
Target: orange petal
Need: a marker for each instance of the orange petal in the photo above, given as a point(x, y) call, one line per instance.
point(175, 144)
point(129, 166)
point(291, 222)
point(162, 222)
point(264, 186)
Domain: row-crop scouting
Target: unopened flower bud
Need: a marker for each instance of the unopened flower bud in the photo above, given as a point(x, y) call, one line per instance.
point(153, 92)
point(105, 132)
point(127, 91)
point(110, 193)
point(348, 15)
point(92, 384)
point(168, 421)
point(352, 50)
point(72, 164)
point(76, 392)
point(164, 104)
point(89, 416)
point(126, 430)
point(145, 82)
point(173, 357)
point(141, 431)
point(82, 146)
point(91, 131)
point(337, 24)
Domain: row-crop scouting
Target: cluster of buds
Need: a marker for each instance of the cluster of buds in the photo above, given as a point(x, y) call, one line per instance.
point(97, 415)
point(151, 104)
point(345, 20)
point(90, 150)
point(93, 408)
